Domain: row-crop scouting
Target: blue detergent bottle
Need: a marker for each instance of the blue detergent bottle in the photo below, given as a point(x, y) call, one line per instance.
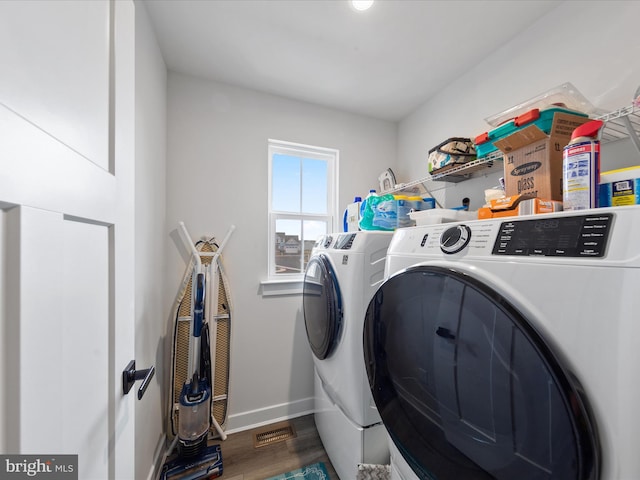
point(385, 212)
point(366, 212)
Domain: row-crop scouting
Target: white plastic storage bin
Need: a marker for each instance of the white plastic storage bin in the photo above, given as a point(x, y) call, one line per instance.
point(441, 215)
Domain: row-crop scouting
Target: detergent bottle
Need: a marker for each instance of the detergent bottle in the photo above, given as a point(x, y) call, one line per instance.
point(366, 211)
point(352, 215)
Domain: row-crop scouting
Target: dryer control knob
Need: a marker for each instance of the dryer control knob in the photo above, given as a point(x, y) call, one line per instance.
point(455, 239)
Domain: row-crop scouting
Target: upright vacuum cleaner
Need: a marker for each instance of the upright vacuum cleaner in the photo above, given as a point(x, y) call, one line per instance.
point(196, 460)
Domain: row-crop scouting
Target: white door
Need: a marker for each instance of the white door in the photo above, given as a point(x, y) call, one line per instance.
point(66, 232)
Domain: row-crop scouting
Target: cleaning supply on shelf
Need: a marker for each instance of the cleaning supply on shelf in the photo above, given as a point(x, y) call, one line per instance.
point(351, 219)
point(581, 167)
point(363, 206)
point(366, 211)
point(416, 202)
point(619, 187)
point(428, 203)
point(403, 207)
point(391, 211)
point(385, 213)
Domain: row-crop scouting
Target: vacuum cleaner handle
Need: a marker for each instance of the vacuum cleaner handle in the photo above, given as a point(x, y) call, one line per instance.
point(198, 307)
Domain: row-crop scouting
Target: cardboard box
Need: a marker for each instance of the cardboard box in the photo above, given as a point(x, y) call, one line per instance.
point(533, 159)
point(533, 206)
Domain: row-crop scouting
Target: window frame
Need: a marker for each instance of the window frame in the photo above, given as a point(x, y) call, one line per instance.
point(331, 156)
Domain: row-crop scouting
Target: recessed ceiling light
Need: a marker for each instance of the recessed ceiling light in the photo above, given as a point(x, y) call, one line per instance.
point(361, 5)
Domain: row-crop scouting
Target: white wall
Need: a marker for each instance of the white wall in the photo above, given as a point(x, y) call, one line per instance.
point(151, 241)
point(3, 335)
point(216, 177)
point(593, 45)
point(216, 174)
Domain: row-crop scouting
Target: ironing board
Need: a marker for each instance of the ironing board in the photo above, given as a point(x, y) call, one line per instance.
point(218, 329)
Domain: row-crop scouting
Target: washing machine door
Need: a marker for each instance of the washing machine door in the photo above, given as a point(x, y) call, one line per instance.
point(322, 306)
point(467, 389)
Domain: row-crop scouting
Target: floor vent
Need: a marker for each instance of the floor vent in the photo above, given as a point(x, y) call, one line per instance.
point(275, 433)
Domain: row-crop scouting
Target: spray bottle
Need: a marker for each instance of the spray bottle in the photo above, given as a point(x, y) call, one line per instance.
point(581, 167)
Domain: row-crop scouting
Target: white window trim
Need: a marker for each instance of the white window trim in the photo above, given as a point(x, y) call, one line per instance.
point(288, 284)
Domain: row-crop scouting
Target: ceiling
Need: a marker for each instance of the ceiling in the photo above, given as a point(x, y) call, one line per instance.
point(382, 63)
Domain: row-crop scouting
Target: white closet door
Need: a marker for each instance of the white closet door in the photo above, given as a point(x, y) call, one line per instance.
point(66, 242)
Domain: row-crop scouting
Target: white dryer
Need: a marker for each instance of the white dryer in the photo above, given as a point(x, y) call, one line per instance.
point(342, 274)
point(509, 348)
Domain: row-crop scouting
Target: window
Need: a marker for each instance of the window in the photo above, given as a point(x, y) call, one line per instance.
point(302, 191)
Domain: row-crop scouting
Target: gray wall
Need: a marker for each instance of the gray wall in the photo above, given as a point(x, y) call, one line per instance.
point(217, 176)
point(151, 241)
point(593, 45)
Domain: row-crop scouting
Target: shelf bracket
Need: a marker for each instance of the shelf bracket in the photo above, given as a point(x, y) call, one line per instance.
point(633, 135)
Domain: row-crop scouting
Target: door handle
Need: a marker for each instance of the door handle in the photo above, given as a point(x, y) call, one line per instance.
point(130, 375)
point(445, 333)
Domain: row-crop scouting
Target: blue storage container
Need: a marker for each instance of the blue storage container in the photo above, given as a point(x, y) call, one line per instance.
point(542, 119)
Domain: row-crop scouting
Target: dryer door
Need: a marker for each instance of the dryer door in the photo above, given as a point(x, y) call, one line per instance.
point(467, 388)
point(322, 306)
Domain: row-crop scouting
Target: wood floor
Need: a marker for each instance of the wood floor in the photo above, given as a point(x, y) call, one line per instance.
point(242, 461)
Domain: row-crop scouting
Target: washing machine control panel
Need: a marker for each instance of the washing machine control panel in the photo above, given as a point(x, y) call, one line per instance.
point(345, 242)
point(568, 236)
point(455, 238)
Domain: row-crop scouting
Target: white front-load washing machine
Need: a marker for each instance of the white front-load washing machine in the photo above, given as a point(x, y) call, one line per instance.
point(343, 272)
point(509, 348)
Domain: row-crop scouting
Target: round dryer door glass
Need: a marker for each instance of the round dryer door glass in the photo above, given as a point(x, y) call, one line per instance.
point(322, 306)
point(467, 388)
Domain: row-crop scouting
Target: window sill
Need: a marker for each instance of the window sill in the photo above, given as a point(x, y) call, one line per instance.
point(270, 288)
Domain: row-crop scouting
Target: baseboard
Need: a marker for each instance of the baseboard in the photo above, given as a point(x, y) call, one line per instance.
point(265, 416)
point(159, 456)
